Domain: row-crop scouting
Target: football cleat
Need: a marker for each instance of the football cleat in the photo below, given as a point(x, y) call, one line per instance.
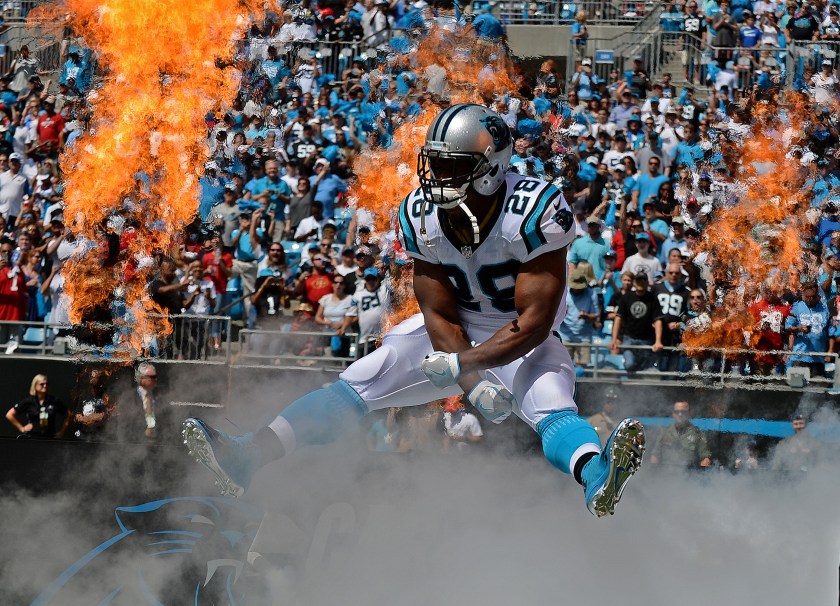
point(233, 460)
point(605, 476)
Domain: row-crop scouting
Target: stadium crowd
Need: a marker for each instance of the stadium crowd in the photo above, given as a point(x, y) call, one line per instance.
point(276, 247)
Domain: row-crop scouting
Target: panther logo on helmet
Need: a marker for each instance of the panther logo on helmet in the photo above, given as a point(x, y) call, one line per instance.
point(498, 130)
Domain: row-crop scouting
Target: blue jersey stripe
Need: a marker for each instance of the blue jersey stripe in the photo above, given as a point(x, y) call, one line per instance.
point(531, 231)
point(409, 235)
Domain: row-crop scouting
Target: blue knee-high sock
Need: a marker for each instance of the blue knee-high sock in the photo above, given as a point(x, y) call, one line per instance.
point(319, 417)
point(568, 439)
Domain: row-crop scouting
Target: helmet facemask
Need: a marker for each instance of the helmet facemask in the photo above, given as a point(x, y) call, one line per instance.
point(446, 176)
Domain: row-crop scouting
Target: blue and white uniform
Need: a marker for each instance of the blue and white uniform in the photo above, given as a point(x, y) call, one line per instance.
point(534, 220)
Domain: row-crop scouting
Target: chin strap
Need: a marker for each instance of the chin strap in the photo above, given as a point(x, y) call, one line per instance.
point(470, 216)
point(473, 222)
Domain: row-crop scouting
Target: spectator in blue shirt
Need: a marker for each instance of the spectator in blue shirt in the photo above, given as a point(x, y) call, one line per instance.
point(582, 314)
point(487, 26)
point(592, 248)
point(670, 19)
point(647, 185)
point(621, 113)
point(331, 185)
point(676, 240)
point(274, 68)
point(653, 225)
point(749, 35)
point(271, 190)
point(687, 151)
point(807, 327)
point(247, 252)
point(212, 188)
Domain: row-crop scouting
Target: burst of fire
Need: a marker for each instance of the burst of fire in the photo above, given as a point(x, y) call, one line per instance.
point(136, 170)
point(759, 242)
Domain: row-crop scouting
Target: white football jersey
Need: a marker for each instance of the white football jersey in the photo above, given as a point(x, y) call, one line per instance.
point(534, 220)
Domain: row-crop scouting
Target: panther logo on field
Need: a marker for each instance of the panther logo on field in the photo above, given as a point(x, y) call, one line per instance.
point(498, 130)
point(178, 550)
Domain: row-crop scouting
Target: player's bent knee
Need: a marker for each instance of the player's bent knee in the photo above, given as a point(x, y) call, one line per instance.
point(566, 437)
point(322, 416)
point(371, 367)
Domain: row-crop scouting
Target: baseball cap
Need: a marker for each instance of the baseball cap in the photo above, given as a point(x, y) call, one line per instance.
point(230, 187)
point(644, 236)
point(314, 247)
point(50, 100)
point(826, 62)
point(593, 220)
point(586, 62)
point(619, 167)
point(679, 220)
point(611, 253)
point(371, 272)
point(578, 279)
point(14, 156)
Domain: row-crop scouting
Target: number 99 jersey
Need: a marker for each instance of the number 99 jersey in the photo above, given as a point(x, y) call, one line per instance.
point(534, 220)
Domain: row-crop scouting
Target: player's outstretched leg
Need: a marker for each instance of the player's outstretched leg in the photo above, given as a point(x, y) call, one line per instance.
point(571, 444)
point(604, 477)
point(319, 417)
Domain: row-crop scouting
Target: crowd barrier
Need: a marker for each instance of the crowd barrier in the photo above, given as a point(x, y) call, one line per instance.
point(212, 339)
point(709, 366)
point(284, 348)
point(554, 12)
point(192, 337)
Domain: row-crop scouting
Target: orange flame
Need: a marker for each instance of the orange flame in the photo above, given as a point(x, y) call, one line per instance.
point(141, 158)
point(758, 241)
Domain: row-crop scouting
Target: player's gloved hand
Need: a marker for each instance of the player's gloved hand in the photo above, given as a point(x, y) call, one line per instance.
point(441, 368)
point(493, 401)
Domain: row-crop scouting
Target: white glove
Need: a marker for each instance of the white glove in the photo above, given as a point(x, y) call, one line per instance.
point(441, 368)
point(493, 401)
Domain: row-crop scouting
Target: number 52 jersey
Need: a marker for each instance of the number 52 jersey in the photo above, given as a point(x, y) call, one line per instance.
point(534, 220)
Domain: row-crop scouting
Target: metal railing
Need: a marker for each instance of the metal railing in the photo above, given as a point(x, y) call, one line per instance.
point(199, 338)
point(713, 365)
point(47, 53)
point(279, 348)
point(617, 53)
point(557, 12)
point(751, 60)
point(813, 53)
point(334, 57)
point(194, 337)
point(16, 11)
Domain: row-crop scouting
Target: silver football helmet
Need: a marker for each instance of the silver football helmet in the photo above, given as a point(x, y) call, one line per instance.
point(467, 145)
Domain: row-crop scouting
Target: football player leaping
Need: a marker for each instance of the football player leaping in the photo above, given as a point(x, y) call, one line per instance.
point(490, 277)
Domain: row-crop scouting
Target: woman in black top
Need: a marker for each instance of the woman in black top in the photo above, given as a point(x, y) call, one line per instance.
point(38, 415)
